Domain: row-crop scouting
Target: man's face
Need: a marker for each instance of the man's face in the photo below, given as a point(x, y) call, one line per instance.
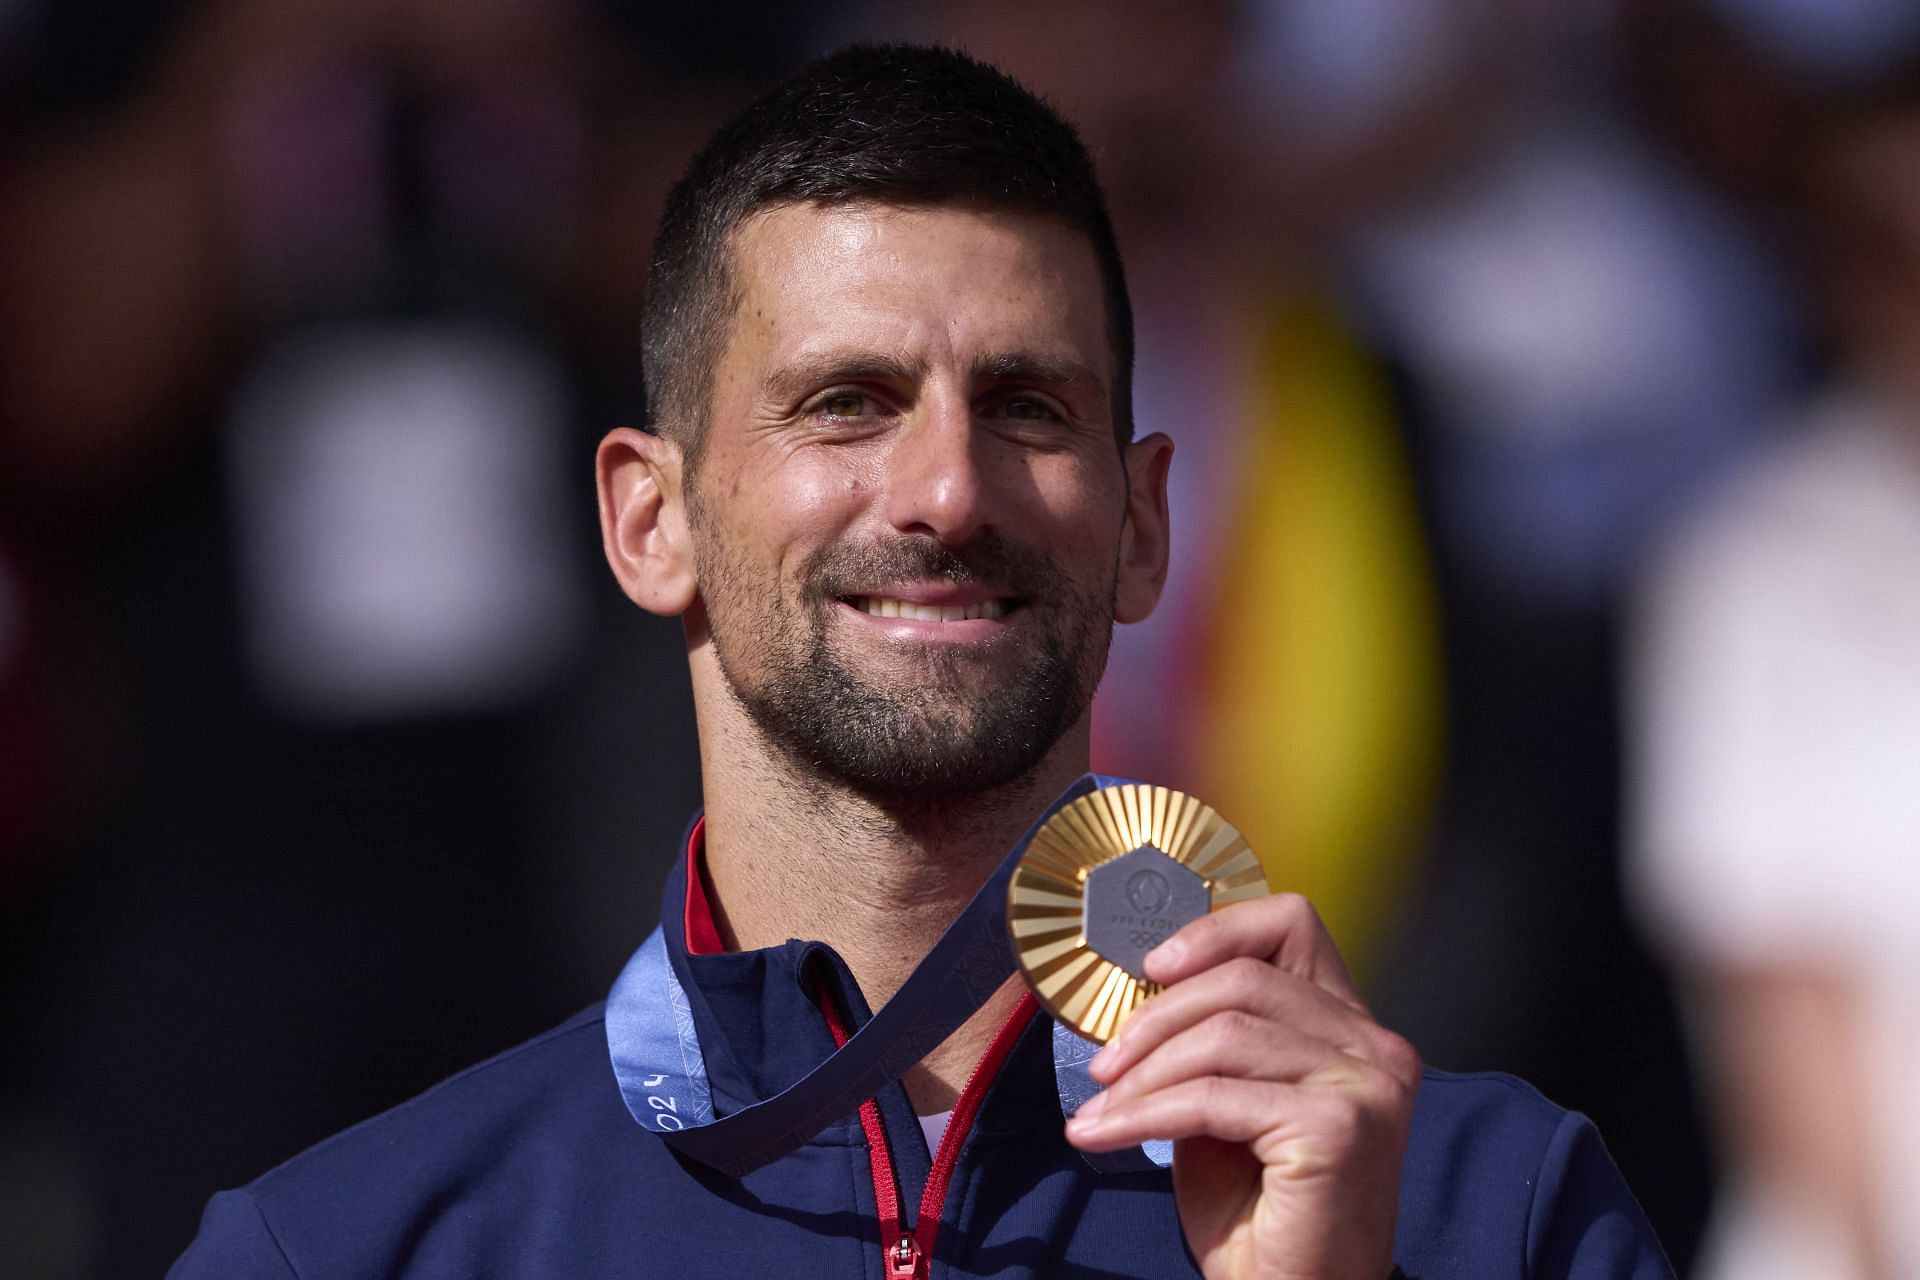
point(909, 505)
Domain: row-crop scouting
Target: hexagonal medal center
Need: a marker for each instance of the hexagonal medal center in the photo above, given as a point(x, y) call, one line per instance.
point(1135, 902)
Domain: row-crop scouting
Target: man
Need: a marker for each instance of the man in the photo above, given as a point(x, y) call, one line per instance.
point(890, 483)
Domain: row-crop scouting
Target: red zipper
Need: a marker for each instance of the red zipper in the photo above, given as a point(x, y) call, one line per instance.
point(907, 1253)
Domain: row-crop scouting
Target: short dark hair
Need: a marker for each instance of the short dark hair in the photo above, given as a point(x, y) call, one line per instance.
point(905, 124)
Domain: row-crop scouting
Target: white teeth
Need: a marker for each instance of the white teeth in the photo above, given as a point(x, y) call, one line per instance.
point(883, 607)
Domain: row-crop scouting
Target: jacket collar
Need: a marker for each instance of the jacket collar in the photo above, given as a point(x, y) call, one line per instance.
point(756, 1013)
point(748, 1025)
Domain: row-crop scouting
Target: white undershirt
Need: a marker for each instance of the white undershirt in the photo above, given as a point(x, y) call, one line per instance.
point(934, 1127)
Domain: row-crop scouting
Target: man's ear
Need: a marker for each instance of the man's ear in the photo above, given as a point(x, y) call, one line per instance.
point(1143, 534)
point(643, 520)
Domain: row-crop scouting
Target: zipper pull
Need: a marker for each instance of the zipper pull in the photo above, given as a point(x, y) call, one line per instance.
point(903, 1260)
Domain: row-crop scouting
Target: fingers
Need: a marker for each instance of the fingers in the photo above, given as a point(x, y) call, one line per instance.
point(1237, 1045)
point(1312, 1128)
point(1257, 996)
point(1296, 1079)
point(1283, 930)
point(1290, 1105)
point(1231, 1110)
point(1245, 986)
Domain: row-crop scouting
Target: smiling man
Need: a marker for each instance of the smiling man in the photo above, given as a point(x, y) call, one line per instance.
point(904, 541)
point(890, 483)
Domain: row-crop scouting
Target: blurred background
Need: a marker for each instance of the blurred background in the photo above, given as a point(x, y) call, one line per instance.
point(1546, 602)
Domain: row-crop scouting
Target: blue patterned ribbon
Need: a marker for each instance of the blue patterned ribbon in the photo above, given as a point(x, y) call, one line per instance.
point(662, 1072)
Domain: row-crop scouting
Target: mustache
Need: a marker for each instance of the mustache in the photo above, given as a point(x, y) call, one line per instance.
point(988, 560)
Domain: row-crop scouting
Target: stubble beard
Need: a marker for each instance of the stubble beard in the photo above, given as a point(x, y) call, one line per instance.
point(971, 719)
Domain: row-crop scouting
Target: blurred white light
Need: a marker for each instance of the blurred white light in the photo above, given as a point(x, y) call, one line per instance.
point(401, 514)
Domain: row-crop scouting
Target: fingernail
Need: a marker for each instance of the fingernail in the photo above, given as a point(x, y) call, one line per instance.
point(1167, 953)
point(1089, 1112)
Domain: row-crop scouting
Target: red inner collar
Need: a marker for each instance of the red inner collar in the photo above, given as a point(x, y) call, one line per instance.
point(702, 935)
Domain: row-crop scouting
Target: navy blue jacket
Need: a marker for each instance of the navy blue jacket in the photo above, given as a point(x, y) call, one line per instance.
point(530, 1165)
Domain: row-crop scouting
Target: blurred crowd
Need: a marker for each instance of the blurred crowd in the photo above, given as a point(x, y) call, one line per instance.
point(1545, 378)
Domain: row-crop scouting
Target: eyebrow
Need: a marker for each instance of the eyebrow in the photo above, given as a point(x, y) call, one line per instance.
point(791, 381)
point(1021, 366)
point(794, 380)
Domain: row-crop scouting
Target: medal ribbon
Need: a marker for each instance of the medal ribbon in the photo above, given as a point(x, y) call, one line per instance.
point(662, 1073)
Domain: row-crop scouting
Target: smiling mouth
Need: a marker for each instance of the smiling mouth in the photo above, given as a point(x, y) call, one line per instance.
point(887, 607)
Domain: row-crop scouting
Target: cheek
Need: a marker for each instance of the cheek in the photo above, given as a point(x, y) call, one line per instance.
point(803, 502)
point(1079, 502)
point(819, 493)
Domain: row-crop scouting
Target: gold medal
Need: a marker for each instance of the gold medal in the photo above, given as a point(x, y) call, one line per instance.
point(1106, 880)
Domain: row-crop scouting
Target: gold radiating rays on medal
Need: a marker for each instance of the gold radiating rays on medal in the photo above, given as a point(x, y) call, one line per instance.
point(1045, 899)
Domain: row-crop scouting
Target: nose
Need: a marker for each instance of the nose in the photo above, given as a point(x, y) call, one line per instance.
point(936, 483)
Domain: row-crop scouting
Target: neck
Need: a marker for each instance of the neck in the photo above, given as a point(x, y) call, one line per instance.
point(790, 855)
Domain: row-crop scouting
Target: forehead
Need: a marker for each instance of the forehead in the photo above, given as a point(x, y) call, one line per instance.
point(928, 283)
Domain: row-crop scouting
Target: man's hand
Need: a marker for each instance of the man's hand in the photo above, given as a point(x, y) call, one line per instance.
point(1288, 1104)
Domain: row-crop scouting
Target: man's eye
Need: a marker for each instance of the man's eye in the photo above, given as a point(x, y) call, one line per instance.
point(844, 404)
point(1028, 408)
